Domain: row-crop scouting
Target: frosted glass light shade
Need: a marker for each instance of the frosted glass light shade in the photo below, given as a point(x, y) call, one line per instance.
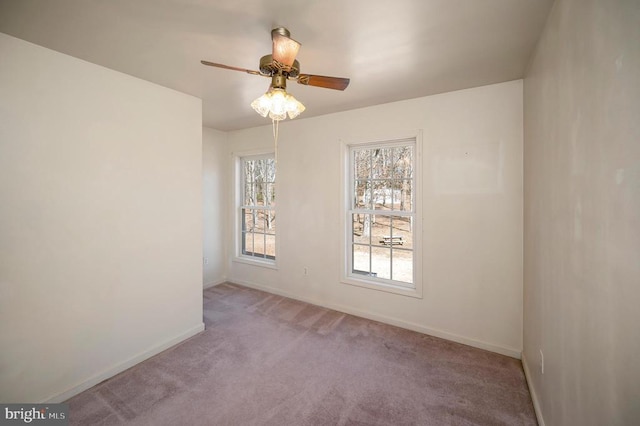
point(294, 107)
point(277, 103)
point(262, 104)
point(285, 49)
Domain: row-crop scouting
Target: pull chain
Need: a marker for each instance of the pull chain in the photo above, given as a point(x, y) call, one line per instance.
point(275, 138)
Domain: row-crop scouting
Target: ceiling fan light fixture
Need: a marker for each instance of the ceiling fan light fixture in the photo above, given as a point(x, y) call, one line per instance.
point(277, 103)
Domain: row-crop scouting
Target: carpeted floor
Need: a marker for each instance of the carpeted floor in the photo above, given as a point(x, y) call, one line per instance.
point(268, 360)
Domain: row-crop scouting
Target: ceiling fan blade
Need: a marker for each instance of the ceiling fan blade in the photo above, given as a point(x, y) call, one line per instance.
point(285, 49)
point(227, 67)
point(336, 83)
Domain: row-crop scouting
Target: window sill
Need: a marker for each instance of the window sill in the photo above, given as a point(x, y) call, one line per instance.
point(388, 288)
point(256, 262)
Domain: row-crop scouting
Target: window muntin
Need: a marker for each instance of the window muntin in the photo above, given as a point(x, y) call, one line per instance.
point(382, 213)
point(257, 209)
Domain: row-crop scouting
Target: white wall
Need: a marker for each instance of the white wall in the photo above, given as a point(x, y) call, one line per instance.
point(582, 215)
point(215, 161)
point(472, 204)
point(100, 221)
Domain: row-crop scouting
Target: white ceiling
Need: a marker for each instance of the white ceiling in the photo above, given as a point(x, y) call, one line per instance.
point(391, 50)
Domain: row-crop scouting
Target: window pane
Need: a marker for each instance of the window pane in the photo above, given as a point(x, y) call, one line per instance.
point(260, 171)
point(258, 221)
point(403, 266)
point(258, 245)
point(396, 165)
point(271, 246)
point(269, 194)
point(403, 166)
point(270, 221)
point(249, 167)
point(249, 194)
point(382, 194)
point(381, 262)
point(247, 243)
point(395, 195)
point(403, 192)
point(376, 164)
point(380, 230)
point(271, 170)
point(247, 223)
point(360, 194)
point(361, 163)
point(360, 259)
point(401, 231)
point(260, 193)
point(361, 228)
point(383, 163)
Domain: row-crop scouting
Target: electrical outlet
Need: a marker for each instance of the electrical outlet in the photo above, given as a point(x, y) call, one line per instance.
point(306, 270)
point(205, 260)
point(541, 362)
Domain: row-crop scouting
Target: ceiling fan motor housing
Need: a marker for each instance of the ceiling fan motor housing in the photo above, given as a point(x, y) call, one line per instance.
point(270, 67)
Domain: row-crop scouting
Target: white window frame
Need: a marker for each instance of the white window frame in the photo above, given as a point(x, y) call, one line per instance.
point(370, 282)
point(238, 205)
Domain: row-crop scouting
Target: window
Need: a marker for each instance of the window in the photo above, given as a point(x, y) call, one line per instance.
point(381, 223)
point(257, 236)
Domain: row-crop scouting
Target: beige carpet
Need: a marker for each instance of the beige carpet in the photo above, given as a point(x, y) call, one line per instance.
point(268, 360)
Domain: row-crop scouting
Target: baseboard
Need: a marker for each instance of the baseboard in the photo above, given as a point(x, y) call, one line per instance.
point(534, 396)
point(511, 352)
point(214, 283)
point(119, 368)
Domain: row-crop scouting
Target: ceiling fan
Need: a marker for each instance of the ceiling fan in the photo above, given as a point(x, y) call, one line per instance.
point(281, 65)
